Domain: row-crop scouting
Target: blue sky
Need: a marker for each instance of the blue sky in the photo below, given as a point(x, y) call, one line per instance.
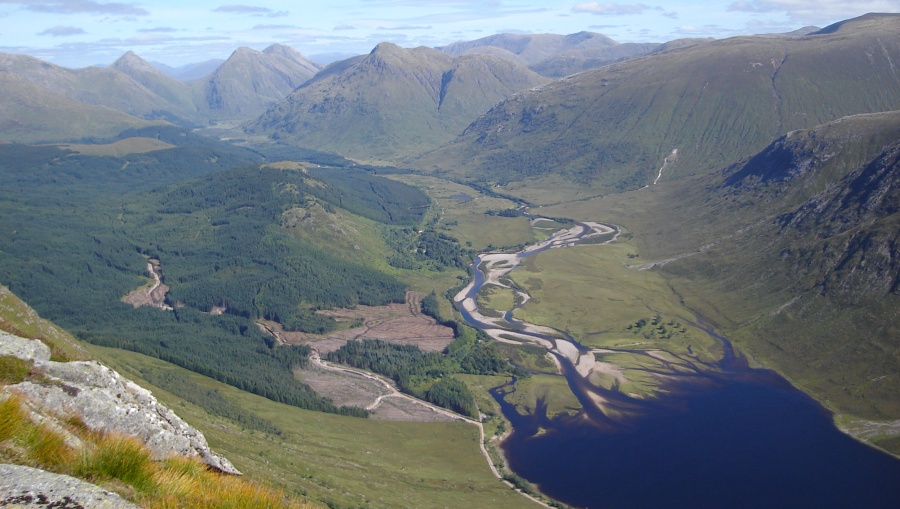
point(77, 33)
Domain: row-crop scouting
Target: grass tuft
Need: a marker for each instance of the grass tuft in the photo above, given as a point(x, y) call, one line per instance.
point(46, 447)
point(14, 370)
point(118, 457)
point(210, 490)
point(13, 418)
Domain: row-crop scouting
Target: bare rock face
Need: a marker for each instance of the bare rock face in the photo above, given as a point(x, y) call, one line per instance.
point(28, 487)
point(108, 402)
point(25, 349)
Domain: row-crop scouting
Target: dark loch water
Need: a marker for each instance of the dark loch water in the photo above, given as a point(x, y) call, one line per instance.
point(726, 436)
point(756, 442)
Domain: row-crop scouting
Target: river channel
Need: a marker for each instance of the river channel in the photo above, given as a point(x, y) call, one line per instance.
point(721, 434)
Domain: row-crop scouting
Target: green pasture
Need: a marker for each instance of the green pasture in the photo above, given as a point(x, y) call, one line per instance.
point(552, 390)
point(589, 292)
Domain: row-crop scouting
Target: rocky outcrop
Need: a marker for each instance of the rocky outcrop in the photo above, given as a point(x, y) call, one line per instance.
point(27, 487)
point(25, 349)
point(105, 401)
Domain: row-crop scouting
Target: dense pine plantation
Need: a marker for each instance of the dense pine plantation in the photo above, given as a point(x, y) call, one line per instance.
point(79, 231)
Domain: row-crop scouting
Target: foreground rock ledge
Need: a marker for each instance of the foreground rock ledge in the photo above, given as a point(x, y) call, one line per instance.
point(28, 487)
point(107, 402)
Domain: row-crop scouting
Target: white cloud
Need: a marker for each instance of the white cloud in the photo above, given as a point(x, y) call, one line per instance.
point(78, 7)
point(406, 27)
point(60, 31)
point(157, 30)
point(815, 11)
point(252, 10)
point(276, 27)
point(609, 8)
point(242, 9)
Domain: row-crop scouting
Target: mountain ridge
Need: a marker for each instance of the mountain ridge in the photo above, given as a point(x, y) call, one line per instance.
point(393, 101)
point(553, 55)
point(250, 81)
point(621, 121)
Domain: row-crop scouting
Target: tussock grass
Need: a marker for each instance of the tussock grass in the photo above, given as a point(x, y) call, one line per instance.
point(13, 417)
point(118, 457)
point(13, 369)
point(123, 464)
point(45, 447)
point(204, 490)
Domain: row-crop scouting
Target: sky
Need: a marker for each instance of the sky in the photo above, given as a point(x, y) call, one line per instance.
point(79, 33)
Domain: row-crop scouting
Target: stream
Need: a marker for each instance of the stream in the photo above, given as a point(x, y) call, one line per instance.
point(717, 434)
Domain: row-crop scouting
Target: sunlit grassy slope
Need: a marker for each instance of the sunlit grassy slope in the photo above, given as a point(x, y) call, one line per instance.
point(345, 462)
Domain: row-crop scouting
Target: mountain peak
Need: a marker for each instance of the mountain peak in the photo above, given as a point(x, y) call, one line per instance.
point(281, 49)
point(130, 62)
point(289, 53)
point(580, 37)
point(386, 48)
point(244, 52)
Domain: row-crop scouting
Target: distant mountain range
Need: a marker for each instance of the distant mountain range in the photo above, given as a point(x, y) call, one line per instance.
point(392, 102)
point(553, 55)
point(714, 102)
point(190, 72)
point(98, 101)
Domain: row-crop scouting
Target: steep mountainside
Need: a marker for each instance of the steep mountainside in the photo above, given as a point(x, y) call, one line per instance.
point(550, 54)
point(394, 101)
point(33, 114)
point(175, 92)
point(250, 81)
point(135, 92)
point(793, 254)
point(714, 103)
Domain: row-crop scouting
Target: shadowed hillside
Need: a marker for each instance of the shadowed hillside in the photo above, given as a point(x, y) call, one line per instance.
point(793, 254)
